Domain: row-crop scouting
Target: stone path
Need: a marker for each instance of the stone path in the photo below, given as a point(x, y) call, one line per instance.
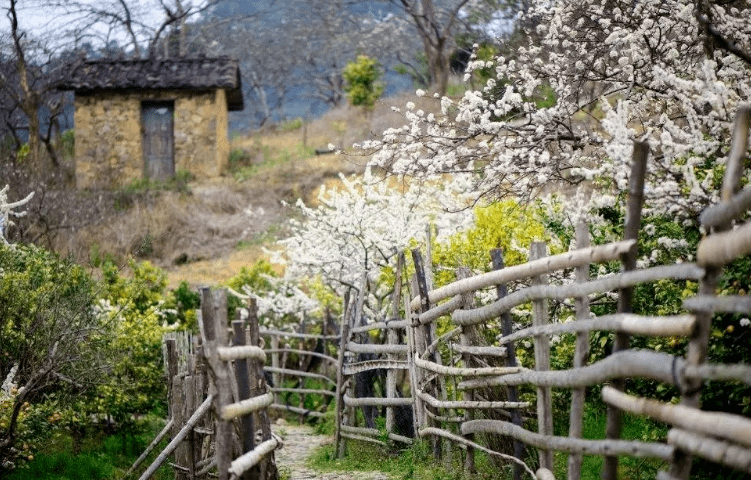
point(299, 444)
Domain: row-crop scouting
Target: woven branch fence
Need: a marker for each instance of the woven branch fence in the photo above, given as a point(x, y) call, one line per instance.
point(218, 401)
point(465, 392)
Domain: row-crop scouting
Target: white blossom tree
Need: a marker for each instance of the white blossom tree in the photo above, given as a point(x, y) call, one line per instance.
point(362, 227)
point(671, 73)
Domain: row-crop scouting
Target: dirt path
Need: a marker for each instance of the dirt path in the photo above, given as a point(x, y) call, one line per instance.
point(299, 444)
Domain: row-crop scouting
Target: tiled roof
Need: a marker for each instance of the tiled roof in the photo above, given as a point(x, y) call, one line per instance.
point(198, 73)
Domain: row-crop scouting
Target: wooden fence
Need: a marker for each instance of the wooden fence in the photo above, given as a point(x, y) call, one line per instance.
point(302, 365)
point(466, 386)
point(465, 390)
point(217, 401)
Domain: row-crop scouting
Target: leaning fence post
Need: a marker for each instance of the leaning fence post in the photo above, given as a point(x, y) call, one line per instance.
point(507, 329)
point(542, 359)
point(625, 295)
point(412, 352)
point(214, 332)
point(422, 287)
point(581, 354)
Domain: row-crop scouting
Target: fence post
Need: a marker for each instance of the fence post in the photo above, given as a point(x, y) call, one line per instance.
point(301, 363)
point(507, 329)
point(247, 429)
point(422, 287)
point(393, 338)
point(413, 351)
point(465, 340)
point(266, 470)
point(340, 442)
point(581, 354)
point(214, 332)
point(625, 295)
point(542, 359)
point(275, 361)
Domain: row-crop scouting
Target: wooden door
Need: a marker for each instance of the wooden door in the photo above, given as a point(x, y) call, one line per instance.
point(158, 144)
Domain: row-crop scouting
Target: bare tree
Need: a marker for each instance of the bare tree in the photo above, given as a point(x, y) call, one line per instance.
point(437, 24)
point(28, 86)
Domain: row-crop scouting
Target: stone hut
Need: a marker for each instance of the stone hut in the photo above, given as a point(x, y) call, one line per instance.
point(150, 118)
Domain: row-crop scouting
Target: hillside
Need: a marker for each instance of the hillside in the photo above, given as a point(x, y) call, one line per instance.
point(204, 230)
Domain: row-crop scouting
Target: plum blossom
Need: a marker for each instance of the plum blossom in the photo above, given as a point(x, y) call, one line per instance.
point(617, 77)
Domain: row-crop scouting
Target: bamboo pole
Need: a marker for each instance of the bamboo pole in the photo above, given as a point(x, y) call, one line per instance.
point(375, 401)
point(439, 310)
point(538, 251)
point(387, 325)
point(253, 457)
point(322, 356)
point(312, 391)
point(544, 474)
point(581, 354)
point(246, 406)
point(369, 348)
point(483, 351)
point(726, 212)
point(739, 372)
point(240, 352)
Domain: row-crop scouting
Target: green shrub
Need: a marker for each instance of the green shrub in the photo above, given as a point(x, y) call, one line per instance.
point(362, 85)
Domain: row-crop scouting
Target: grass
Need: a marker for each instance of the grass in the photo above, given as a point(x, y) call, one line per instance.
point(414, 463)
point(102, 457)
point(243, 169)
point(634, 428)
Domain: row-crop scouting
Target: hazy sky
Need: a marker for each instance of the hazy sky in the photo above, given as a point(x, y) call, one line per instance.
point(53, 23)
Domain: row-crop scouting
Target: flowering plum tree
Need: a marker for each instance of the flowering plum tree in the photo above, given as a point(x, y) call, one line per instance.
point(362, 227)
point(671, 73)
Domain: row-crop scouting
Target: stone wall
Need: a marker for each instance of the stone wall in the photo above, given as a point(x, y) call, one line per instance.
point(109, 152)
